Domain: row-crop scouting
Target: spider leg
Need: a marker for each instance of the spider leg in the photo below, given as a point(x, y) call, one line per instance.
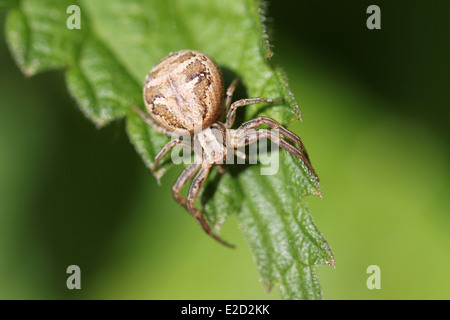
point(255, 135)
point(230, 92)
point(194, 190)
point(231, 115)
point(254, 123)
point(187, 174)
point(221, 169)
point(169, 146)
point(147, 119)
point(184, 177)
point(240, 154)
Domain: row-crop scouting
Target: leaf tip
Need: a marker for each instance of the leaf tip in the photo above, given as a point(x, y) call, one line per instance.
point(158, 175)
point(318, 192)
point(267, 286)
point(28, 72)
point(332, 262)
point(99, 123)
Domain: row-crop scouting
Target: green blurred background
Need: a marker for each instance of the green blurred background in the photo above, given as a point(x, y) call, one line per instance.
point(375, 106)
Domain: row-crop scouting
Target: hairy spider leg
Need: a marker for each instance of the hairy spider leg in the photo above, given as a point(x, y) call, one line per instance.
point(254, 123)
point(169, 146)
point(147, 119)
point(230, 92)
point(231, 108)
point(221, 169)
point(194, 189)
point(184, 177)
point(231, 116)
point(249, 137)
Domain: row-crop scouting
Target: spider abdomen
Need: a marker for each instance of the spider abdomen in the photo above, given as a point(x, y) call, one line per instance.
point(185, 91)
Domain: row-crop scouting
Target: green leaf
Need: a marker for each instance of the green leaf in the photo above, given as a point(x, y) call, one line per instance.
point(106, 62)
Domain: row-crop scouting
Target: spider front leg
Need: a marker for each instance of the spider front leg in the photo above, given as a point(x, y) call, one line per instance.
point(248, 137)
point(148, 120)
point(231, 115)
point(231, 110)
point(194, 189)
point(254, 123)
point(169, 146)
point(230, 92)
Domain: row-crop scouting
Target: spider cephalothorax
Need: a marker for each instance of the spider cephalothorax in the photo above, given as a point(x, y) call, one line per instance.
point(185, 95)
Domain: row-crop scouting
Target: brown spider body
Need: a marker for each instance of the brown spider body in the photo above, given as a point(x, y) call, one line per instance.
point(185, 91)
point(184, 94)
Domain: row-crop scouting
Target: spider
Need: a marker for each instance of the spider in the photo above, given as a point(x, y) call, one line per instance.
point(185, 96)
